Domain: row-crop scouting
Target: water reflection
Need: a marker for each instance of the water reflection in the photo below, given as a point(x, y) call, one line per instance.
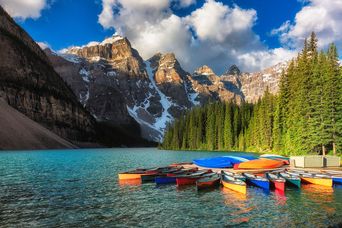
point(231, 196)
point(81, 188)
point(321, 195)
point(238, 201)
point(280, 197)
point(132, 182)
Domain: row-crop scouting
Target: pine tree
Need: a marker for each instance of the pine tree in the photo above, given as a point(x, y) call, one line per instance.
point(333, 84)
point(236, 126)
point(228, 131)
point(210, 128)
point(304, 117)
point(220, 125)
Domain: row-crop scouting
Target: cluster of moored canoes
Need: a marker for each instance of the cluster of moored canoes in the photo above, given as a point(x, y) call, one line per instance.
point(206, 178)
point(266, 161)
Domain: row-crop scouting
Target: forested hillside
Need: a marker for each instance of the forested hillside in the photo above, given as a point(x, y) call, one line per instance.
point(304, 117)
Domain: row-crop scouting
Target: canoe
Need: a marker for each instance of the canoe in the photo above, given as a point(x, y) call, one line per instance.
point(163, 171)
point(257, 181)
point(235, 175)
point(318, 180)
point(262, 163)
point(150, 177)
point(165, 180)
point(208, 182)
point(182, 171)
point(172, 179)
point(136, 174)
point(337, 179)
point(277, 183)
point(291, 180)
point(233, 184)
point(189, 179)
point(219, 162)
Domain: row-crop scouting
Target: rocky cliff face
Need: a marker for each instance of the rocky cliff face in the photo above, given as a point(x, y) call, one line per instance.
point(30, 84)
point(209, 86)
point(113, 82)
point(251, 86)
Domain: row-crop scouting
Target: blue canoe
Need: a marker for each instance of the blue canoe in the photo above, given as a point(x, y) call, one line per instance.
point(165, 180)
point(258, 181)
point(222, 162)
point(337, 180)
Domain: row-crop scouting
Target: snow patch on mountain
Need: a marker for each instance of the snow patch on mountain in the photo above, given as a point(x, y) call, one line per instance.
point(192, 98)
point(70, 57)
point(133, 112)
point(165, 101)
point(85, 97)
point(85, 74)
point(111, 73)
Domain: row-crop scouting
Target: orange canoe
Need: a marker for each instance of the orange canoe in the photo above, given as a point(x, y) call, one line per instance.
point(262, 163)
point(136, 174)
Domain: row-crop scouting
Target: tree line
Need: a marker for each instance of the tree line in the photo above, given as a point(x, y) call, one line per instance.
point(304, 117)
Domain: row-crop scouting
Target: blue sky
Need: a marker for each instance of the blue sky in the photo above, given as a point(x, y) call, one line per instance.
point(253, 34)
point(67, 23)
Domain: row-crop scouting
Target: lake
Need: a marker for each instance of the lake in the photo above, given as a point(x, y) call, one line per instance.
point(80, 188)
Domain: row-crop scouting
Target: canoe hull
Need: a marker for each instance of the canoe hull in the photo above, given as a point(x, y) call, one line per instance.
point(165, 180)
point(294, 183)
point(259, 183)
point(149, 177)
point(129, 176)
point(208, 184)
point(262, 163)
point(337, 180)
point(235, 187)
point(278, 185)
point(180, 181)
point(318, 181)
point(136, 174)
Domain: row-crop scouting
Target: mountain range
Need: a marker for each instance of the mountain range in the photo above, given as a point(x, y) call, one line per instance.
point(116, 85)
point(105, 93)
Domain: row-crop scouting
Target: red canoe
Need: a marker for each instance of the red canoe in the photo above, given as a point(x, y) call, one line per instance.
point(189, 179)
point(182, 172)
point(277, 183)
point(208, 182)
point(262, 163)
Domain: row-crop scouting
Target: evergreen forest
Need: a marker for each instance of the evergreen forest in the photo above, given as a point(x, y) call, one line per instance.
point(304, 117)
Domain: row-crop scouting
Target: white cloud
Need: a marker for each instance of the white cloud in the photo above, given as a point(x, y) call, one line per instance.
point(264, 59)
point(24, 9)
point(185, 3)
point(217, 22)
point(321, 16)
point(214, 34)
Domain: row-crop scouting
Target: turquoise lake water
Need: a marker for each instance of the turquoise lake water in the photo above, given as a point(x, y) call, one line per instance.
point(80, 188)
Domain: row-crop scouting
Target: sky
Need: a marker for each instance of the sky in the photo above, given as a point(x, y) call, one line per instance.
point(253, 34)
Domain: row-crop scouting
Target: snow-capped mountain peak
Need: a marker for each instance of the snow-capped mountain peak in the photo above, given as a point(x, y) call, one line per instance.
point(114, 83)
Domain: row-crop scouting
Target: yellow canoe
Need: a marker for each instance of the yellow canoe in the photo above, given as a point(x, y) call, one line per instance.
point(130, 176)
point(319, 181)
point(238, 186)
point(136, 174)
